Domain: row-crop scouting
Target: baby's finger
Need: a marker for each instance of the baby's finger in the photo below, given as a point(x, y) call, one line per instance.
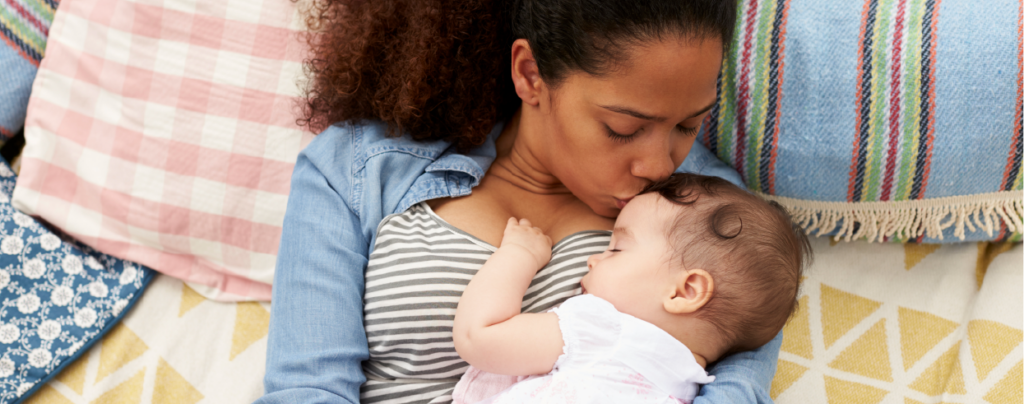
point(511, 222)
point(525, 222)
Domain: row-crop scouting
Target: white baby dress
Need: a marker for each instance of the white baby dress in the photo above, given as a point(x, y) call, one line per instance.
point(608, 357)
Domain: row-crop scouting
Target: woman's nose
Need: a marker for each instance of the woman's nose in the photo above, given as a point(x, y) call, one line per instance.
point(655, 163)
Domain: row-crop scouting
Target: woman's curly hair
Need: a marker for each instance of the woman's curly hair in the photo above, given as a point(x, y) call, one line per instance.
point(430, 68)
point(441, 69)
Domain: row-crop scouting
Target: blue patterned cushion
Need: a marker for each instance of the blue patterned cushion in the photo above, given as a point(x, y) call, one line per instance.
point(57, 297)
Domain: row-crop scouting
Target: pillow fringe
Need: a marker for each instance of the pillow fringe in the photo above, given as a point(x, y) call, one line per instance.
point(907, 220)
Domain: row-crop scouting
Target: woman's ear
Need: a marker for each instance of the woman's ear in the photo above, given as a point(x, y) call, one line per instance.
point(525, 73)
point(693, 289)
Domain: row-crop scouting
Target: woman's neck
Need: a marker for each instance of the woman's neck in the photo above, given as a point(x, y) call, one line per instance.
point(521, 161)
point(518, 184)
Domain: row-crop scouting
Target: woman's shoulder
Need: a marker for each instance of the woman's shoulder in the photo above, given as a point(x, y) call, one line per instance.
point(369, 168)
point(356, 142)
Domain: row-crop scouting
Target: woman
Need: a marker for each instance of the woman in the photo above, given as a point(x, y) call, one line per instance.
point(604, 98)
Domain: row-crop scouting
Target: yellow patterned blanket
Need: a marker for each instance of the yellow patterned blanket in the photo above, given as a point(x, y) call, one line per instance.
point(899, 324)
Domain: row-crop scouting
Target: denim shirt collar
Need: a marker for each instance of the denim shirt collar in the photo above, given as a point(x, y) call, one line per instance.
point(473, 163)
point(453, 174)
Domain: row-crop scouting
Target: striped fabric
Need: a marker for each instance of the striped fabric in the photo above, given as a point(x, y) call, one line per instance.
point(895, 128)
point(837, 108)
point(1012, 175)
point(25, 24)
point(748, 126)
point(418, 269)
point(164, 132)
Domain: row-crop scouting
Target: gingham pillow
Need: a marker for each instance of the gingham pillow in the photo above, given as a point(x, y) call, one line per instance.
point(164, 132)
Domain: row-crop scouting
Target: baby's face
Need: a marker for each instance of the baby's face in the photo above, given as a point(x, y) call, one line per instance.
point(635, 273)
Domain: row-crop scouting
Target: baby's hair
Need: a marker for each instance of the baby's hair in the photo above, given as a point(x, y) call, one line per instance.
point(750, 247)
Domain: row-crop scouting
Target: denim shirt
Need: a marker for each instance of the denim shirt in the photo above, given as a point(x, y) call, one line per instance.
point(345, 182)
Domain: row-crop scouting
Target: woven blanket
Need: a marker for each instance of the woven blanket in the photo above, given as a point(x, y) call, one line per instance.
point(175, 347)
point(908, 324)
point(24, 26)
point(879, 119)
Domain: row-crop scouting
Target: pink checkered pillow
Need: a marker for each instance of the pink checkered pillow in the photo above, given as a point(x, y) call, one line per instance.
point(164, 132)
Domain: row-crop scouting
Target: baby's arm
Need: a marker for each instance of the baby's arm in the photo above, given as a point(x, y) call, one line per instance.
point(489, 332)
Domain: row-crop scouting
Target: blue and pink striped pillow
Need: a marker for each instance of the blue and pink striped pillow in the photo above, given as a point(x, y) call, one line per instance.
point(24, 26)
point(885, 120)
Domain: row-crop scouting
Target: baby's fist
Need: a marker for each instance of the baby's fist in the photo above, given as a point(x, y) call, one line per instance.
point(521, 233)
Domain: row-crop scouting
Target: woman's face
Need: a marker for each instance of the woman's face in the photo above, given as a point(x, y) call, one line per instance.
point(610, 136)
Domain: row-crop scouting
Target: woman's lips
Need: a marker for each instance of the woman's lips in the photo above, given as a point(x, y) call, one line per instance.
point(621, 203)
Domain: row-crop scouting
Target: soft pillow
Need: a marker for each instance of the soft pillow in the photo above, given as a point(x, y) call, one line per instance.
point(164, 132)
point(58, 297)
point(878, 120)
point(24, 25)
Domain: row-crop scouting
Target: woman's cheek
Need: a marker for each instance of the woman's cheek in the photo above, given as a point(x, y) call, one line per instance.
point(612, 167)
point(682, 150)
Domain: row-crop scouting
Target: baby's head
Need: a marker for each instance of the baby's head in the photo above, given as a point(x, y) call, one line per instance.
point(700, 257)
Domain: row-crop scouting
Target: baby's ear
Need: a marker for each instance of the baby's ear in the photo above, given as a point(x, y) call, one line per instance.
point(693, 289)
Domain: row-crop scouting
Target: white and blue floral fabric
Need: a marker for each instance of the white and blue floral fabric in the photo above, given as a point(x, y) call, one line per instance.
point(57, 297)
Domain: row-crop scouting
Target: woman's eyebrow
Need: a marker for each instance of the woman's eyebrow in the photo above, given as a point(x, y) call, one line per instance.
point(632, 113)
point(705, 109)
point(646, 117)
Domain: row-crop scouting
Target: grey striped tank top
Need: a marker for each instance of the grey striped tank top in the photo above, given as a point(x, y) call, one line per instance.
point(418, 269)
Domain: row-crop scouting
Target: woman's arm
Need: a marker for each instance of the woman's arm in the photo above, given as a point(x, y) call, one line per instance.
point(745, 377)
point(489, 332)
point(317, 340)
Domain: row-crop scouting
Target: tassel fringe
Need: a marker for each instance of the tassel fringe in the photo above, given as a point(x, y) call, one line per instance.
point(905, 220)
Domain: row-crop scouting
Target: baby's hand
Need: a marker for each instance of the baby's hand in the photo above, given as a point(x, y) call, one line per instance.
point(522, 235)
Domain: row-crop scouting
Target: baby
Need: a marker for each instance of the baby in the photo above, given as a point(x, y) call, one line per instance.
point(697, 268)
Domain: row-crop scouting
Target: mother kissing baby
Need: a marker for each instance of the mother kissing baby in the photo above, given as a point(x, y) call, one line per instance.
point(606, 97)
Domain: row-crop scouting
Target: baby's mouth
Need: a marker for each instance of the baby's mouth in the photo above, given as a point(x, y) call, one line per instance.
point(584, 288)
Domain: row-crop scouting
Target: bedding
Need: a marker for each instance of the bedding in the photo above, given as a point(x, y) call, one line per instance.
point(57, 297)
point(912, 323)
point(156, 128)
point(175, 347)
point(884, 120)
point(929, 323)
point(24, 26)
point(164, 132)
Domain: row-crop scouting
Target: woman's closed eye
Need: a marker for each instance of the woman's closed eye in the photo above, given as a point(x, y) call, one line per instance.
point(688, 132)
point(626, 138)
point(620, 137)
